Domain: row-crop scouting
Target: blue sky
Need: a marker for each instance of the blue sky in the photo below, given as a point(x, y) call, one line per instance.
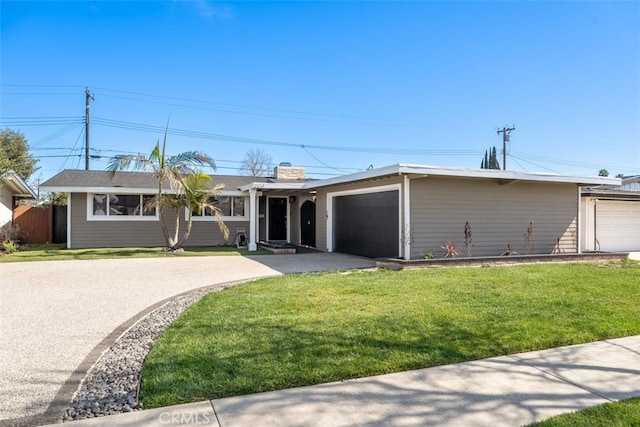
point(332, 86)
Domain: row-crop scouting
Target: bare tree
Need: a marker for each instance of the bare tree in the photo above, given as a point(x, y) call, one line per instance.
point(256, 162)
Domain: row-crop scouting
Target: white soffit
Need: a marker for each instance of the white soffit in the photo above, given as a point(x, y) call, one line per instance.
point(425, 171)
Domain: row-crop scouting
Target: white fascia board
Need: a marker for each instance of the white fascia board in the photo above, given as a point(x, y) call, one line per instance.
point(273, 186)
point(423, 170)
point(18, 185)
point(124, 190)
point(100, 190)
point(506, 175)
point(358, 176)
point(232, 193)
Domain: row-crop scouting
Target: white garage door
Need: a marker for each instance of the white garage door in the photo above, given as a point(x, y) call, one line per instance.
point(618, 225)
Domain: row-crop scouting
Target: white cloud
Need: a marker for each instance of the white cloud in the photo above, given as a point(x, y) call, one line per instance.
point(207, 9)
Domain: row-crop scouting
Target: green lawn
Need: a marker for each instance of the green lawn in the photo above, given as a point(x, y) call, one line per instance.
point(315, 328)
point(625, 413)
point(56, 252)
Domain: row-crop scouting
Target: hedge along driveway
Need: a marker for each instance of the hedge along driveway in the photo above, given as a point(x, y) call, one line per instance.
point(54, 313)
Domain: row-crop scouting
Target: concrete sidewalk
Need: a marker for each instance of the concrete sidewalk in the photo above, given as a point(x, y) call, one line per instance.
point(502, 391)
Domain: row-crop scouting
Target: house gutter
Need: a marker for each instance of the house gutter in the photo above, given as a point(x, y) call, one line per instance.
point(495, 174)
point(18, 184)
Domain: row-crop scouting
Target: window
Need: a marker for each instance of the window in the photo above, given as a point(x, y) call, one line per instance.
point(231, 207)
point(224, 204)
point(238, 206)
point(125, 205)
point(99, 204)
point(111, 206)
point(145, 206)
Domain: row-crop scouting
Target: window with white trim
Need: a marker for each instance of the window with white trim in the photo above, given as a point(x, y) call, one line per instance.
point(231, 208)
point(119, 206)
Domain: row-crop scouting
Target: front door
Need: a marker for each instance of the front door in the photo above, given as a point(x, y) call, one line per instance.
point(277, 218)
point(308, 223)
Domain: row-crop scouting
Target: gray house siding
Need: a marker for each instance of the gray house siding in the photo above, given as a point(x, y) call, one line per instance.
point(109, 234)
point(207, 233)
point(127, 233)
point(498, 215)
point(294, 223)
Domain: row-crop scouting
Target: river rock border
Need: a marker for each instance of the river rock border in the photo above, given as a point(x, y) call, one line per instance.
point(112, 385)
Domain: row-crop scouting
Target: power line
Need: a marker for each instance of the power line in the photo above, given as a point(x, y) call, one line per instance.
point(229, 138)
point(519, 164)
point(268, 112)
point(38, 93)
point(234, 108)
point(562, 162)
point(39, 85)
point(37, 144)
point(72, 148)
point(38, 121)
point(321, 162)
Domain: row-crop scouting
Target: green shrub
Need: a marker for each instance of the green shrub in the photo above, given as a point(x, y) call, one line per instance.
point(428, 255)
point(10, 232)
point(10, 246)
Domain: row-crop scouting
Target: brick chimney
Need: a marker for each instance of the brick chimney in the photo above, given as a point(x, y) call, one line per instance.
point(286, 171)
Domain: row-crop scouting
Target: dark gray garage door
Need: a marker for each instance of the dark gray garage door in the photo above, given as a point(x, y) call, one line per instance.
point(366, 224)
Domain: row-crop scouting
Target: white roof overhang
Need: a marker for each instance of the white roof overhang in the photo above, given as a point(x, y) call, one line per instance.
point(273, 186)
point(17, 185)
point(499, 175)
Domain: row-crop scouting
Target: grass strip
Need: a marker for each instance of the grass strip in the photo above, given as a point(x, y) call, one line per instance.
point(625, 413)
point(58, 252)
point(315, 328)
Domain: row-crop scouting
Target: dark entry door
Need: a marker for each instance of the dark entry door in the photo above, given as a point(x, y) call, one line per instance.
point(367, 224)
point(308, 223)
point(59, 224)
point(277, 218)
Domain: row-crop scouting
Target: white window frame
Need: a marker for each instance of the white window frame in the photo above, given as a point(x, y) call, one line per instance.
point(225, 218)
point(107, 217)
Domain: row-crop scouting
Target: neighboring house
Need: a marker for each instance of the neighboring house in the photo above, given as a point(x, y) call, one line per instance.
point(611, 217)
point(12, 190)
point(395, 211)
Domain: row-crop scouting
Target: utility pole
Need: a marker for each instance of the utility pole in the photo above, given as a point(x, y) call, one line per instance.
point(89, 97)
point(506, 132)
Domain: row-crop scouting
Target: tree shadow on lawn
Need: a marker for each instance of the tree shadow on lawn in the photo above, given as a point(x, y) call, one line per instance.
point(293, 356)
point(503, 390)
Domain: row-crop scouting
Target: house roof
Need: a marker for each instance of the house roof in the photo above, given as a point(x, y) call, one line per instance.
point(136, 182)
point(82, 181)
point(499, 175)
point(17, 185)
point(629, 189)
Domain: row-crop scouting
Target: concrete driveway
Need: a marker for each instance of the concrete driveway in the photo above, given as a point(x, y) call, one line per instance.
point(56, 317)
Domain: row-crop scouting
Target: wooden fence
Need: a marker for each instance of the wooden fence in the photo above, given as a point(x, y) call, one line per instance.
point(34, 222)
point(41, 225)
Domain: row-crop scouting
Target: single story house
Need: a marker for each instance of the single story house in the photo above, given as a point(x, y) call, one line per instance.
point(611, 217)
point(12, 190)
point(400, 210)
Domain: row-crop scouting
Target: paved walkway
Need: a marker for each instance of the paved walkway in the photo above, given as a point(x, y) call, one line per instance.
point(57, 317)
point(502, 391)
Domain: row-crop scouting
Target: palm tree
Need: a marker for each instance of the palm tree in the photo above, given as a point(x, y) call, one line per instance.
point(169, 171)
point(198, 196)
